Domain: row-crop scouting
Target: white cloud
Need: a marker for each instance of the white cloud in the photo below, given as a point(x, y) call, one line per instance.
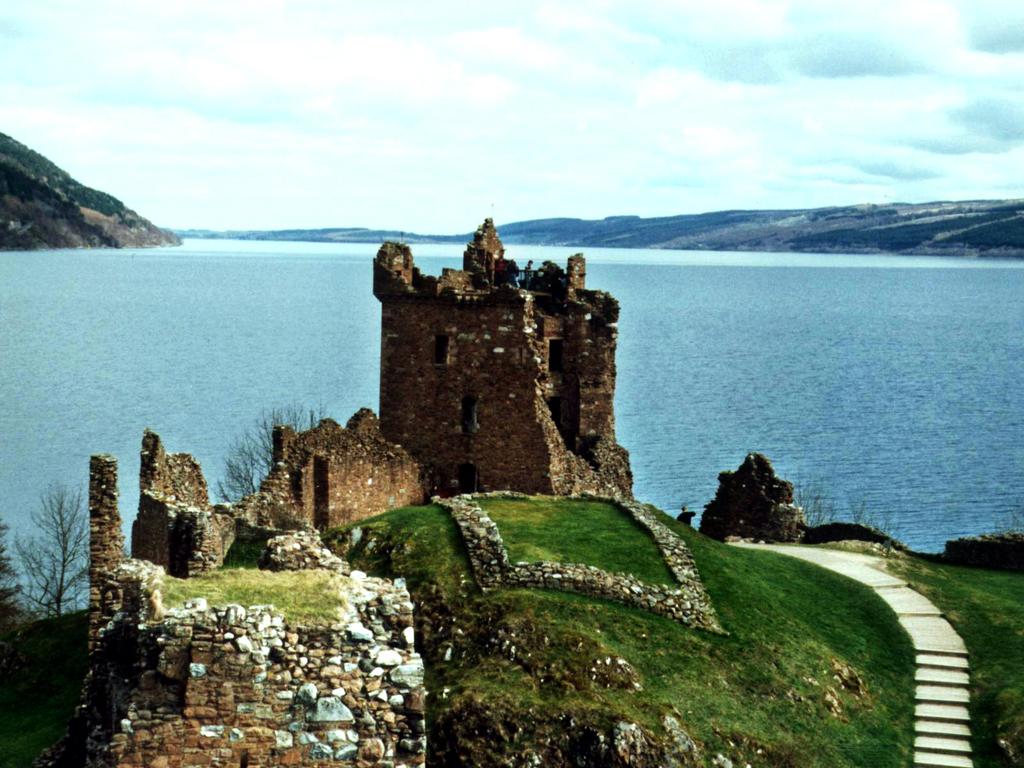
point(316, 113)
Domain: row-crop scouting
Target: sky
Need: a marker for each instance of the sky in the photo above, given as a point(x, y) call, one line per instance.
point(426, 117)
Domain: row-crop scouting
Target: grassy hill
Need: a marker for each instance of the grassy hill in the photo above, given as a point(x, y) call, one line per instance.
point(42, 206)
point(522, 663)
point(967, 228)
point(814, 670)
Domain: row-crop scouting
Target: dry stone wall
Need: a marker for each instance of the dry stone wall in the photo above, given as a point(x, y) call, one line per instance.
point(689, 603)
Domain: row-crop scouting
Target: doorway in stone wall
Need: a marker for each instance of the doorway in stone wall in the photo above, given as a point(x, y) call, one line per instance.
point(468, 480)
point(321, 494)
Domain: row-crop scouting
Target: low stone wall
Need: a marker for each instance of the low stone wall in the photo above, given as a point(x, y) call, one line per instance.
point(689, 604)
point(1002, 550)
point(842, 531)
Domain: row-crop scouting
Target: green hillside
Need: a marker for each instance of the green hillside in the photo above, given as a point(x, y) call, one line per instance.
point(42, 206)
point(813, 671)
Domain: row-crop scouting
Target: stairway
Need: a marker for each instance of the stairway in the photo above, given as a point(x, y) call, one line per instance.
point(942, 731)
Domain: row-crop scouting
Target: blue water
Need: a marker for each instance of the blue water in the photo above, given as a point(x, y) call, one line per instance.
point(889, 383)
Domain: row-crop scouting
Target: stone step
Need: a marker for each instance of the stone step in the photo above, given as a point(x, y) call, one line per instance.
point(933, 676)
point(950, 713)
point(906, 602)
point(939, 728)
point(932, 634)
point(949, 660)
point(940, 760)
point(942, 694)
point(943, 744)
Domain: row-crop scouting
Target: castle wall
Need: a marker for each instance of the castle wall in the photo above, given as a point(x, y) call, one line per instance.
point(330, 476)
point(244, 686)
point(493, 357)
point(176, 527)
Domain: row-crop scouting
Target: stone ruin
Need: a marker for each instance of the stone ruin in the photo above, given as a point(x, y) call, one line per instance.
point(330, 476)
point(236, 685)
point(491, 386)
point(323, 477)
point(752, 503)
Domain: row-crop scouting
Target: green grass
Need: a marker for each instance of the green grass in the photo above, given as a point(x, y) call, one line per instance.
point(569, 531)
point(302, 596)
point(524, 660)
point(245, 552)
point(987, 609)
point(37, 701)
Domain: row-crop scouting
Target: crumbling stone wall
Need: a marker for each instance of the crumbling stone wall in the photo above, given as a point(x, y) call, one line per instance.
point(497, 387)
point(106, 542)
point(244, 686)
point(330, 476)
point(689, 603)
point(752, 503)
point(176, 526)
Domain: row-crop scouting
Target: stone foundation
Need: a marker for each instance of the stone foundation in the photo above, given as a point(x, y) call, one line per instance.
point(689, 603)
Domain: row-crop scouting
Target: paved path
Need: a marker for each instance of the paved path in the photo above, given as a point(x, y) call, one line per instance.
point(941, 719)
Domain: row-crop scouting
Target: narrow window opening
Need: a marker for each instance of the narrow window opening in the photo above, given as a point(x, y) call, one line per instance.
point(321, 493)
point(440, 350)
point(243, 761)
point(555, 360)
point(469, 414)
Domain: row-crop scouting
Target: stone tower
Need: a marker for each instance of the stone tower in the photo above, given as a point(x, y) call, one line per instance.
point(495, 387)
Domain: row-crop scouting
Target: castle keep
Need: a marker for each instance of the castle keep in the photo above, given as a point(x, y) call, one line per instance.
point(495, 386)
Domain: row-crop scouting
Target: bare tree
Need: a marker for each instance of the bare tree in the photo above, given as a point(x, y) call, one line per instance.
point(54, 562)
point(8, 585)
point(251, 456)
point(818, 506)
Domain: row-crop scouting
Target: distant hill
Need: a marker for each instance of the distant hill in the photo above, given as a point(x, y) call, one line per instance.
point(41, 206)
point(968, 228)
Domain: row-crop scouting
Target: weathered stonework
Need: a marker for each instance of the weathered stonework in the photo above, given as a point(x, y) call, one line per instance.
point(242, 685)
point(176, 527)
point(106, 542)
point(752, 503)
point(300, 551)
point(495, 386)
point(330, 476)
point(689, 603)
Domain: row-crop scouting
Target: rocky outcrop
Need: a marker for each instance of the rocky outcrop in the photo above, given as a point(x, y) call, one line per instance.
point(752, 503)
point(997, 550)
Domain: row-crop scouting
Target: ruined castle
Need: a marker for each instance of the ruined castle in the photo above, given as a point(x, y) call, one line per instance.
point(485, 385)
point(494, 386)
